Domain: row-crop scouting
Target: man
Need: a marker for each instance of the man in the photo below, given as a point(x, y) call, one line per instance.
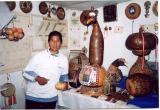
point(43, 72)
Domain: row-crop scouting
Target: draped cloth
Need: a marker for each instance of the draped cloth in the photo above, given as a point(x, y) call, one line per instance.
point(10, 100)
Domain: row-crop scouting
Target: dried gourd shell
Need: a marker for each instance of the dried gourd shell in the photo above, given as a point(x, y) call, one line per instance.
point(14, 29)
point(9, 31)
point(61, 86)
point(20, 35)
point(20, 30)
point(11, 37)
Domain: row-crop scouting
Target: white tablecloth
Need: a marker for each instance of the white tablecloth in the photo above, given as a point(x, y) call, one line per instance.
point(74, 100)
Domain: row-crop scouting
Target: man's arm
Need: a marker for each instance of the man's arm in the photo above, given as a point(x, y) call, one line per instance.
point(30, 75)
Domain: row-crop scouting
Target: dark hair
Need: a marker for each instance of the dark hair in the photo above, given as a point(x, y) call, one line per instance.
point(55, 33)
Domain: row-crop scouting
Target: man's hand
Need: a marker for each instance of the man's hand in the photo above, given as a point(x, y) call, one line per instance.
point(41, 80)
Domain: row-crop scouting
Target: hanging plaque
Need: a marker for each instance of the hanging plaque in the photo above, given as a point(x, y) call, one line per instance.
point(110, 13)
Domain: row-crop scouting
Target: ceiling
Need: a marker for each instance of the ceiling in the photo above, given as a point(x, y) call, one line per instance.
point(83, 5)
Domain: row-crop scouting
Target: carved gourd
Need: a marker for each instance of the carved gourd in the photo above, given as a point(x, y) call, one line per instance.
point(75, 66)
point(139, 84)
point(96, 46)
point(92, 76)
point(141, 45)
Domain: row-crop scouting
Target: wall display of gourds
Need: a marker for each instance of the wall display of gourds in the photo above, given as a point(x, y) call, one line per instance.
point(44, 8)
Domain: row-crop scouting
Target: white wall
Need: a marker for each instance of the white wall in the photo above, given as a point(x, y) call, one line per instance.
point(114, 42)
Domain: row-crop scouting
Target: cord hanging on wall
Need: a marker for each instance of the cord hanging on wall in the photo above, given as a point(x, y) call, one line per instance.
point(49, 12)
point(132, 25)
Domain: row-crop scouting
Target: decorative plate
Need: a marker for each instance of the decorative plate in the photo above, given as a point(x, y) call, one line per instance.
point(43, 8)
point(11, 5)
point(9, 91)
point(133, 11)
point(60, 13)
point(155, 8)
point(25, 6)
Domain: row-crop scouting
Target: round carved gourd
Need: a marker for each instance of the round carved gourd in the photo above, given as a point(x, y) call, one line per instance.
point(43, 8)
point(141, 44)
point(139, 84)
point(84, 17)
point(92, 76)
point(135, 43)
point(60, 13)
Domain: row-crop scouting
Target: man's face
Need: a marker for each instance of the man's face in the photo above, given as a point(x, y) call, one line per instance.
point(54, 43)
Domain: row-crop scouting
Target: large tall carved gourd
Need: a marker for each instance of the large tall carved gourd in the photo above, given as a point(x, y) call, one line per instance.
point(96, 46)
point(92, 76)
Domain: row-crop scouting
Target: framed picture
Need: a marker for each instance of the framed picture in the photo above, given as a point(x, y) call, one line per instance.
point(110, 13)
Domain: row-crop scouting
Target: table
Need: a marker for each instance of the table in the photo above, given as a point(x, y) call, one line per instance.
point(72, 99)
